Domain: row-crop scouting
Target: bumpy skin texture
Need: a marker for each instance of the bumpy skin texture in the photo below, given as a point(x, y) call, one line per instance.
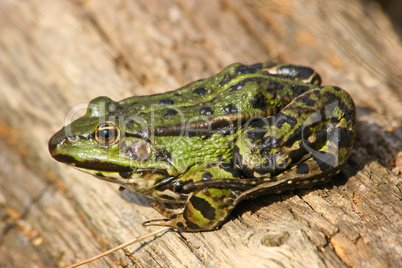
point(247, 131)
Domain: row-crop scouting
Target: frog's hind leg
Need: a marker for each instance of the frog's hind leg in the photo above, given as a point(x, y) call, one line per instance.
point(211, 193)
point(303, 175)
point(303, 145)
point(295, 72)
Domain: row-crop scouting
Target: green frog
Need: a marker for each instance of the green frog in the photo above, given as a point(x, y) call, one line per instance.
point(247, 131)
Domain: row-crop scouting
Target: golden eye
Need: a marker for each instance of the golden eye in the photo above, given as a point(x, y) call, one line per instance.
point(107, 134)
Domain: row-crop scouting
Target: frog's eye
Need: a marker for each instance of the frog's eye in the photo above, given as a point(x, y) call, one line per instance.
point(107, 134)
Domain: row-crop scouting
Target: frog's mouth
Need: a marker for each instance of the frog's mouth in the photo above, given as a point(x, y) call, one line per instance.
point(65, 153)
point(90, 164)
point(107, 171)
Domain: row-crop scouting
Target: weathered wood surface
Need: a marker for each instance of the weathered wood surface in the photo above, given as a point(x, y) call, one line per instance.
point(55, 55)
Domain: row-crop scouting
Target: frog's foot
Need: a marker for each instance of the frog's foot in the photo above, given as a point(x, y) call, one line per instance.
point(181, 222)
point(172, 220)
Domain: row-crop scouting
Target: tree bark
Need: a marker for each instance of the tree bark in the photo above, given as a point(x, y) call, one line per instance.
point(55, 56)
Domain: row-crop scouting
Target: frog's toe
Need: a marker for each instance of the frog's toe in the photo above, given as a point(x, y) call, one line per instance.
point(176, 222)
point(161, 222)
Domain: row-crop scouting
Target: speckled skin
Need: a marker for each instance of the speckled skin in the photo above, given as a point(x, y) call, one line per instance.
point(247, 131)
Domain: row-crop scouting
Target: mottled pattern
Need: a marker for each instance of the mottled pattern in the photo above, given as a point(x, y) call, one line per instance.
point(249, 130)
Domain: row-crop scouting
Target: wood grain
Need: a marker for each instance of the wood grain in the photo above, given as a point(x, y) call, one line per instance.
point(55, 56)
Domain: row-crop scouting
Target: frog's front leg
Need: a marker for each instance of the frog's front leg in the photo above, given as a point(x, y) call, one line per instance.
point(209, 203)
point(205, 210)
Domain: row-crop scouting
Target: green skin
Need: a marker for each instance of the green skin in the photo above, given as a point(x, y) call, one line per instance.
point(247, 131)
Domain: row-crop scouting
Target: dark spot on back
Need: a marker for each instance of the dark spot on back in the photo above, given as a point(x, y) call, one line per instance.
point(165, 102)
point(273, 85)
point(243, 69)
point(236, 87)
point(259, 101)
point(200, 91)
point(169, 113)
point(230, 109)
point(206, 111)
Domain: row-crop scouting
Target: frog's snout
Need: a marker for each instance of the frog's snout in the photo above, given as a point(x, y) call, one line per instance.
point(54, 141)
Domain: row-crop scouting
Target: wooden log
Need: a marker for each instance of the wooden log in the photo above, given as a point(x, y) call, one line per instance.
point(55, 56)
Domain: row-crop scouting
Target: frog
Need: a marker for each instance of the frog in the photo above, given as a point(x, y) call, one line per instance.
point(247, 131)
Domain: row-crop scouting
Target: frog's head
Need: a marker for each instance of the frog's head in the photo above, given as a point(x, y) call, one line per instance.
point(103, 144)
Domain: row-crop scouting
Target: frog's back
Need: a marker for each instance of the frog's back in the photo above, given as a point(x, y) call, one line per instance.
point(229, 98)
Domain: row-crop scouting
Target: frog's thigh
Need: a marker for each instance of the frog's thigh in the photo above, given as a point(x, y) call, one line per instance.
point(206, 209)
point(312, 135)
